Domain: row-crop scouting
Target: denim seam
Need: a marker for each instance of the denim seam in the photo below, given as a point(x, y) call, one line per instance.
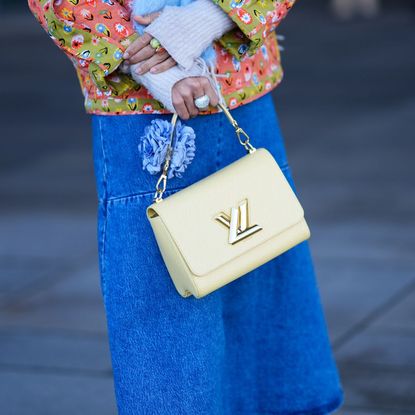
point(105, 212)
point(120, 199)
point(104, 162)
point(103, 251)
point(132, 196)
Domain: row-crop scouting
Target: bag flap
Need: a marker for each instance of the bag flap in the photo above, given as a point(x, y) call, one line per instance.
point(190, 215)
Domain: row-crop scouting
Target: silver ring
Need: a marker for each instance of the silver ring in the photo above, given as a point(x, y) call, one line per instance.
point(202, 102)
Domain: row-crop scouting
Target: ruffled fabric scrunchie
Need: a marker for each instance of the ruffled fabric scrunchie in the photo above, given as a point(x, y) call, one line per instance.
point(154, 143)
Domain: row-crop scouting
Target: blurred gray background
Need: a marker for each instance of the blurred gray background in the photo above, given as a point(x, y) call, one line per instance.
point(347, 109)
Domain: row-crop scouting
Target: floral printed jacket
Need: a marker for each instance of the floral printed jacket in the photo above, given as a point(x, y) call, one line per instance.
point(95, 33)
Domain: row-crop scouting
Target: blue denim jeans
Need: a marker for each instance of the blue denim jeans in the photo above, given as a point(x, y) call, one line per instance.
point(257, 346)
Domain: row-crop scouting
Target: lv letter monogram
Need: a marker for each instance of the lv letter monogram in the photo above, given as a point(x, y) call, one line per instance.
point(238, 223)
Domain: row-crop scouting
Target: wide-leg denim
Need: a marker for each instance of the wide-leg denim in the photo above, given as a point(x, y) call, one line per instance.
point(257, 346)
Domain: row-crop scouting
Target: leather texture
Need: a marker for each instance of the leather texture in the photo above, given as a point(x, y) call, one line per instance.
point(195, 246)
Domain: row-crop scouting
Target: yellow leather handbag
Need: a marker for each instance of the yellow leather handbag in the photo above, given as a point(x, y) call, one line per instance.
point(227, 224)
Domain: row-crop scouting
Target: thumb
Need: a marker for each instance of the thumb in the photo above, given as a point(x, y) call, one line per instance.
point(147, 19)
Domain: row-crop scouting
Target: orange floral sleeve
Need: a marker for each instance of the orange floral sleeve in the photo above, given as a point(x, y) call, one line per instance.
point(255, 19)
point(95, 33)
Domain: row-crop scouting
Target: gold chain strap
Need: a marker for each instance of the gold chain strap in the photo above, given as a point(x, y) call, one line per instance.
point(243, 139)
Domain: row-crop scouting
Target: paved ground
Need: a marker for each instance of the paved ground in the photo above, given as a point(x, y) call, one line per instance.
point(347, 108)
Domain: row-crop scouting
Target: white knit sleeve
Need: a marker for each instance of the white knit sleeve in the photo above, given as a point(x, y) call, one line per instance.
point(160, 85)
point(187, 31)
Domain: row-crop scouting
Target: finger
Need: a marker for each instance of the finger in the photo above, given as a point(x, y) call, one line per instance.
point(147, 19)
point(188, 94)
point(137, 45)
point(210, 92)
point(142, 55)
point(179, 105)
point(163, 66)
point(149, 63)
point(197, 87)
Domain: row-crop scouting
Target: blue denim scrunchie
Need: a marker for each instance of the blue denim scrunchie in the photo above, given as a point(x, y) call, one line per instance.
point(154, 142)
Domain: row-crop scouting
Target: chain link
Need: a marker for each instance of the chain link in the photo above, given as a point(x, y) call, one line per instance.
point(243, 139)
point(162, 181)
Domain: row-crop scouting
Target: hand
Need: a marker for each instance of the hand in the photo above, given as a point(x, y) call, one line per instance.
point(185, 91)
point(140, 51)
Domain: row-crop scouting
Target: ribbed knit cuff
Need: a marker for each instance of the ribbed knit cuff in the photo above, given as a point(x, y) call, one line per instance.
point(160, 85)
point(187, 31)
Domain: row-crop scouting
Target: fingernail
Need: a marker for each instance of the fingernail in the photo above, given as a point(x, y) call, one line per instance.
point(126, 55)
point(153, 70)
point(139, 70)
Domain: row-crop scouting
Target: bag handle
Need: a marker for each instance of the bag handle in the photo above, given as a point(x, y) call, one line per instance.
point(243, 139)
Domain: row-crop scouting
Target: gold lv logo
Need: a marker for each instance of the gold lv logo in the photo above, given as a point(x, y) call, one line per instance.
point(238, 223)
